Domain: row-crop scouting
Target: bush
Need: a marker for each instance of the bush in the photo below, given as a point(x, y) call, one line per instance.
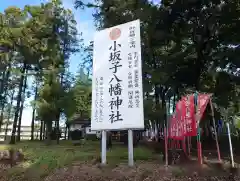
point(124, 137)
point(92, 137)
point(76, 134)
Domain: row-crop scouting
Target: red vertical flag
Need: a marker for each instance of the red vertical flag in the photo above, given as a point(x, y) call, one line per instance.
point(176, 130)
point(183, 122)
point(203, 100)
point(189, 116)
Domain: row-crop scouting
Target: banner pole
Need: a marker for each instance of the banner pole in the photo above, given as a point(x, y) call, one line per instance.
point(215, 131)
point(184, 145)
point(166, 145)
point(199, 145)
point(189, 145)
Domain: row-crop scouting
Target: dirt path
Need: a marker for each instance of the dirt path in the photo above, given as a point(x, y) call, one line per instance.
point(141, 172)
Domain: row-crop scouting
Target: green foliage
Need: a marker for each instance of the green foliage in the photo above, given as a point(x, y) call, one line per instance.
point(237, 121)
point(48, 101)
point(187, 46)
point(82, 92)
point(79, 97)
point(39, 40)
point(54, 91)
point(184, 43)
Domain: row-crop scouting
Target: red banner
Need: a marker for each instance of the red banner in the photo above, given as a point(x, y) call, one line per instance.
point(203, 100)
point(183, 122)
point(189, 116)
point(176, 130)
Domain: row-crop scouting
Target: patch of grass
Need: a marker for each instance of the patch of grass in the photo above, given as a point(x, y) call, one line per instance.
point(42, 159)
point(120, 154)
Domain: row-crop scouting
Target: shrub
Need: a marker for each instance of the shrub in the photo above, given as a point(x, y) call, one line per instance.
point(76, 134)
point(92, 137)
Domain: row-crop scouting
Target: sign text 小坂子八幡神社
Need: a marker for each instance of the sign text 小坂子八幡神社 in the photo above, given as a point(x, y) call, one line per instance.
point(117, 95)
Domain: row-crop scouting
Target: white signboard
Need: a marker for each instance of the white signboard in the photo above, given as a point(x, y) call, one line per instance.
point(117, 95)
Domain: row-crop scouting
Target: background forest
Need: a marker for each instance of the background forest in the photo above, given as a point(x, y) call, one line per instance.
point(187, 46)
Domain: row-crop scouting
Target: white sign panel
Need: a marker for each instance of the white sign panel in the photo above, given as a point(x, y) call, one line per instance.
point(117, 96)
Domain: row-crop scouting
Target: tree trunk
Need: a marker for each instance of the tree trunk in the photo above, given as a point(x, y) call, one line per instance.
point(66, 129)
point(44, 130)
point(41, 131)
point(69, 133)
point(9, 115)
point(41, 127)
point(3, 88)
point(19, 97)
point(32, 124)
point(19, 122)
point(1, 116)
point(21, 108)
point(174, 101)
point(2, 101)
point(57, 128)
point(6, 129)
point(3, 75)
point(65, 132)
point(49, 131)
point(33, 114)
point(58, 132)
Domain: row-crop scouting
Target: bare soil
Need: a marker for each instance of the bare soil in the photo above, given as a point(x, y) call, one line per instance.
point(143, 171)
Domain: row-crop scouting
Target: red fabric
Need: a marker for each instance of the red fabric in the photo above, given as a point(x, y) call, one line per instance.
point(203, 100)
point(189, 116)
point(183, 122)
point(176, 124)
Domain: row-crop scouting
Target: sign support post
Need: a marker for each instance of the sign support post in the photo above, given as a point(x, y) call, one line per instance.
point(199, 145)
point(104, 148)
point(130, 148)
